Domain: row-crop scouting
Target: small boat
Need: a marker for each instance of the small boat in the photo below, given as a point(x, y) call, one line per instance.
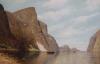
point(50, 52)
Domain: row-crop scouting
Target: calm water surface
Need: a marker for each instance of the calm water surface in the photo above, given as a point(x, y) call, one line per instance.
point(59, 58)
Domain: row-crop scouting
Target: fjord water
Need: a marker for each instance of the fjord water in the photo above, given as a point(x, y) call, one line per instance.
point(56, 58)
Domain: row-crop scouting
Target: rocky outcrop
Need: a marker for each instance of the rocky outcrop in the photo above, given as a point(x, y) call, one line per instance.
point(92, 43)
point(65, 48)
point(43, 27)
point(7, 40)
point(95, 46)
point(4, 25)
point(52, 44)
point(26, 27)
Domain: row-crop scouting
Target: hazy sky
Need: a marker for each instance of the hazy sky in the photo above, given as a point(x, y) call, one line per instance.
point(71, 22)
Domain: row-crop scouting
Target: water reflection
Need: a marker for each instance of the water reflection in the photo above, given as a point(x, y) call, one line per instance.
point(44, 58)
point(30, 58)
point(73, 58)
point(96, 58)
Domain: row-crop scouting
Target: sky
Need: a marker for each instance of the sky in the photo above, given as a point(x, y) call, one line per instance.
point(71, 22)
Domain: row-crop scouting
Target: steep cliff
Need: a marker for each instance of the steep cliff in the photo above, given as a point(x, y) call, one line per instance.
point(7, 40)
point(94, 46)
point(4, 25)
point(53, 47)
point(43, 27)
point(91, 43)
point(50, 40)
point(25, 26)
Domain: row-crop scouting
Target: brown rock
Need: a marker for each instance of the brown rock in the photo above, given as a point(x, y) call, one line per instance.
point(6, 38)
point(20, 31)
point(43, 27)
point(95, 48)
point(92, 43)
point(30, 27)
point(51, 44)
point(4, 25)
point(25, 26)
point(53, 47)
point(14, 25)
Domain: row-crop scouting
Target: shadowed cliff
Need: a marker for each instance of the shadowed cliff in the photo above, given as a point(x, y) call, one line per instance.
point(7, 40)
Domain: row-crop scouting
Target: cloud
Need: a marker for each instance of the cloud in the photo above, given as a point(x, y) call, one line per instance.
point(93, 4)
point(72, 29)
point(71, 32)
point(55, 3)
point(67, 20)
point(55, 16)
point(17, 1)
point(68, 30)
point(76, 38)
point(81, 19)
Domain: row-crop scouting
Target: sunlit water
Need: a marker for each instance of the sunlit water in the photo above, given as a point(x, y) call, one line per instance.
point(59, 58)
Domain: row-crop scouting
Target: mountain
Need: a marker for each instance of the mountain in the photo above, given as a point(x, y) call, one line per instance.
point(25, 26)
point(65, 48)
point(7, 40)
point(92, 43)
point(4, 24)
point(94, 46)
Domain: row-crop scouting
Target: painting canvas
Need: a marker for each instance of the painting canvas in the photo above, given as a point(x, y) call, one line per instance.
point(49, 32)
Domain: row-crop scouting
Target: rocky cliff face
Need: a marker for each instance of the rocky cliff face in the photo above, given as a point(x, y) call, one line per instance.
point(43, 27)
point(26, 27)
point(4, 25)
point(7, 40)
point(52, 44)
point(94, 46)
point(92, 43)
